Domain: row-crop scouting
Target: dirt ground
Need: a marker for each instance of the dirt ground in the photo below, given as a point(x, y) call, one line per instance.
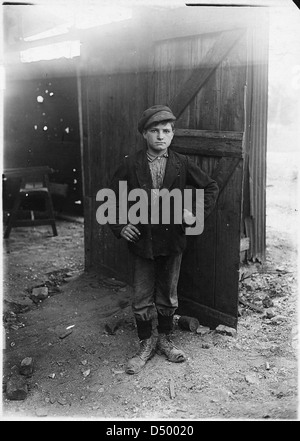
point(252, 375)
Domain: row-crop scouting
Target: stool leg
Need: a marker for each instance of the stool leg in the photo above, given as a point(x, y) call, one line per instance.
point(50, 210)
point(13, 216)
point(54, 228)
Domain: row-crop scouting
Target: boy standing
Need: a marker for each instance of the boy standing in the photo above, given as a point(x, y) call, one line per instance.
point(157, 247)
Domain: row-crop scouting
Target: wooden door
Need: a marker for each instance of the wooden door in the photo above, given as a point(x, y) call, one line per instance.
point(207, 97)
point(208, 285)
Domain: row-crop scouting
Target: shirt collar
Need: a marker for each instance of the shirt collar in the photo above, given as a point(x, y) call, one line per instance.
point(152, 157)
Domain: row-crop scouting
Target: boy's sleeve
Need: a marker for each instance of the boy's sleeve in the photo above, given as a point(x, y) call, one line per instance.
point(197, 178)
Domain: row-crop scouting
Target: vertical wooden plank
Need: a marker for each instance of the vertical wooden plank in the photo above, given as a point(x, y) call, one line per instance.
point(228, 242)
point(80, 120)
point(182, 67)
point(207, 99)
point(197, 275)
point(233, 80)
point(87, 165)
point(198, 271)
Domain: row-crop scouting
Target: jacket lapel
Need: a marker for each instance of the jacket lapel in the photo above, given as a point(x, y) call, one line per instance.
point(143, 171)
point(172, 170)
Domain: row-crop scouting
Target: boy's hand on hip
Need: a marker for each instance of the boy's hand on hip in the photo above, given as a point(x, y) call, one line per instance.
point(130, 233)
point(188, 217)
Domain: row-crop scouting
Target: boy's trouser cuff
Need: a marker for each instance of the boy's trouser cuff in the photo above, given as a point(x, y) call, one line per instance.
point(165, 323)
point(144, 329)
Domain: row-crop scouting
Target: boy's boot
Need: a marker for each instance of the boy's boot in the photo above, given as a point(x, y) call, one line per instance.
point(146, 350)
point(164, 343)
point(166, 346)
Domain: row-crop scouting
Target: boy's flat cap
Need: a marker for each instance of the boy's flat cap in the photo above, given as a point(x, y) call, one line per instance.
point(155, 114)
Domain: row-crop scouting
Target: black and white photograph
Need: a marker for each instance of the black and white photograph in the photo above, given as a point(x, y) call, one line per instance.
point(149, 263)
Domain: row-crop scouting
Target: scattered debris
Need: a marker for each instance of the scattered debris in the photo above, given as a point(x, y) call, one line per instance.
point(188, 323)
point(269, 314)
point(118, 371)
point(119, 318)
point(10, 317)
point(54, 289)
point(57, 277)
point(26, 367)
point(113, 282)
point(16, 388)
point(176, 318)
point(112, 325)
point(73, 273)
point(10, 320)
point(62, 401)
point(251, 379)
point(277, 319)
point(202, 330)
point(172, 388)
point(251, 306)
point(226, 330)
point(267, 302)
point(19, 307)
point(86, 373)
point(65, 334)
point(39, 294)
point(69, 278)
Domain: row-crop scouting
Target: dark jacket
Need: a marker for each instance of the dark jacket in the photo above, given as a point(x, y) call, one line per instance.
point(180, 172)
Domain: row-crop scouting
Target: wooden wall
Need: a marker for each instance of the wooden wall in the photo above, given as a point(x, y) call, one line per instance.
point(115, 102)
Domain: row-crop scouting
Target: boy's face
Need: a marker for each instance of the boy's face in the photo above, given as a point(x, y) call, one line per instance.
point(158, 137)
